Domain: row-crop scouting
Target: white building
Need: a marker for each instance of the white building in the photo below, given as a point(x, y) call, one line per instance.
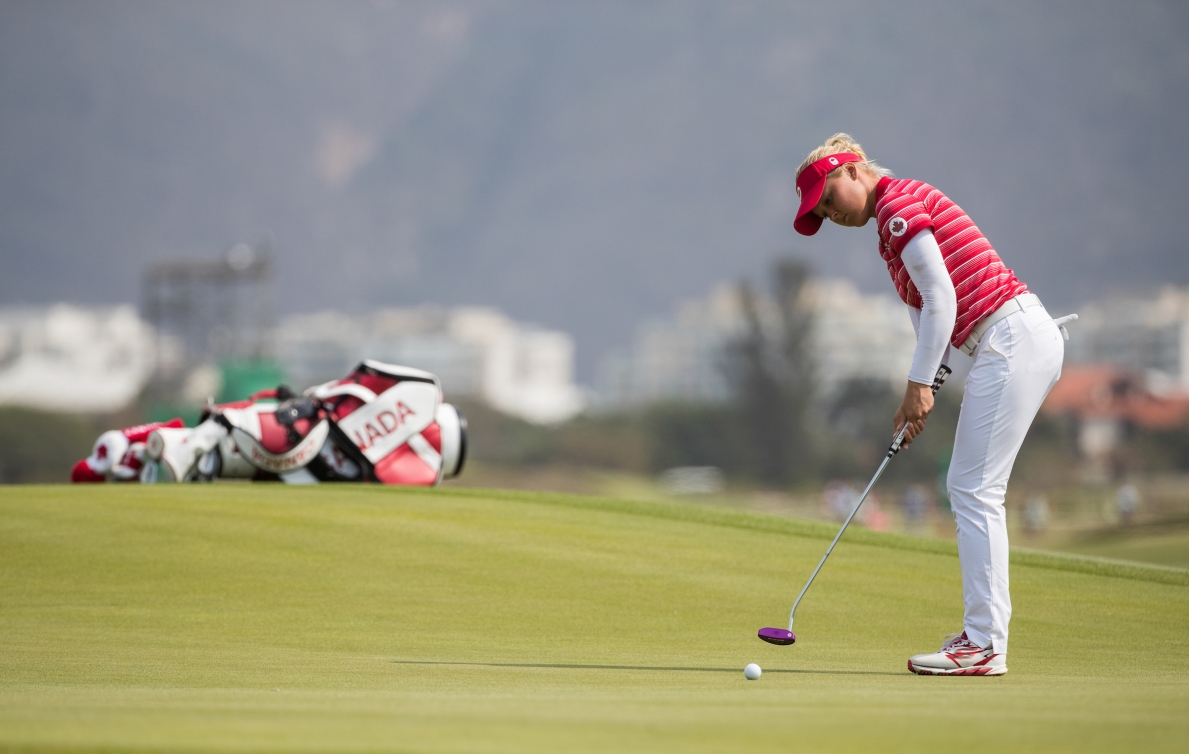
point(1147, 332)
point(318, 347)
point(682, 357)
point(676, 358)
point(526, 371)
point(519, 369)
point(859, 336)
point(70, 358)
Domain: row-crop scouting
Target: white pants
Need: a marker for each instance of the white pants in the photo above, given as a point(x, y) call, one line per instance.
point(1015, 366)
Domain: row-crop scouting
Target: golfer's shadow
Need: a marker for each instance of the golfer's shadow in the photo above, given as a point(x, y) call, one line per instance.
point(671, 669)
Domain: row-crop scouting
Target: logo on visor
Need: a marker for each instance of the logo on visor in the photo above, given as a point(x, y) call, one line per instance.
point(834, 161)
point(897, 226)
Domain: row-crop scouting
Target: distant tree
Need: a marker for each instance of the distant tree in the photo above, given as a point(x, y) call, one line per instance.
point(39, 446)
point(695, 434)
point(771, 372)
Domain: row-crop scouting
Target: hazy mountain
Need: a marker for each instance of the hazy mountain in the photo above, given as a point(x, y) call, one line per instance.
point(582, 165)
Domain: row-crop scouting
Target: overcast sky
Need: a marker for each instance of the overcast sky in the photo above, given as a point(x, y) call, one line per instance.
point(580, 165)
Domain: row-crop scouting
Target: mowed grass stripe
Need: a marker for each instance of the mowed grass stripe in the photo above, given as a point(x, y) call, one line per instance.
point(460, 620)
point(821, 530)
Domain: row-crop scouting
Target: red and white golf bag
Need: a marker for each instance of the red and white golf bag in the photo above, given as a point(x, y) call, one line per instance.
point(381, 423)
point(392, 422)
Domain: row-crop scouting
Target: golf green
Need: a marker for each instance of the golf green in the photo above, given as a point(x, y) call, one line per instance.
point(241, 617)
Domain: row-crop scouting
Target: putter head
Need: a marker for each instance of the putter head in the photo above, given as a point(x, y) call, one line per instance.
point(777, 636)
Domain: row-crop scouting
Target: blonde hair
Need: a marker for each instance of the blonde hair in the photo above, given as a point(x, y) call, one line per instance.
point(843, 143)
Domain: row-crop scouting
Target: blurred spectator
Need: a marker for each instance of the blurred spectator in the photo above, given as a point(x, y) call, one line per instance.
point(1127, 500)
point(916, 502)
point(873, 516)
point(838, 499)
point(1036, 514)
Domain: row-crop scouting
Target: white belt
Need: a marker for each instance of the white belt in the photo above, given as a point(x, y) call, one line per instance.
point(1017, 304)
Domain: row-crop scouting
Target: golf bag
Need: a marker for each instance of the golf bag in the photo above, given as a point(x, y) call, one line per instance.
point(381, 423)
point(392, 423)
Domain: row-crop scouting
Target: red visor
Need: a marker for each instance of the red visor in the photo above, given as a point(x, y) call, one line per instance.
point(810, 184)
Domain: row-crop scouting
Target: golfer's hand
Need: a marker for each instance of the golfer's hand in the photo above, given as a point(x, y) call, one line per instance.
point(918, 402)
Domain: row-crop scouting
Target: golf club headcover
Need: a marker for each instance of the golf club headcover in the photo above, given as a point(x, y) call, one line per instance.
point(176, 451)
point(118, 453)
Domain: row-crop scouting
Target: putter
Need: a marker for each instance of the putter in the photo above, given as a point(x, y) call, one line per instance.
point(779, 635)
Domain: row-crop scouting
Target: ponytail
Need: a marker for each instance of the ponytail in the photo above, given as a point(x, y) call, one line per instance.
point(844, 143)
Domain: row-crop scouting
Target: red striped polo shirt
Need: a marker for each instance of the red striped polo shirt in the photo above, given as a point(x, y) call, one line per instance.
point(982, 283)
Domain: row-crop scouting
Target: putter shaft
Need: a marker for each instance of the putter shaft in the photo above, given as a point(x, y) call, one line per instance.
point(942, 372)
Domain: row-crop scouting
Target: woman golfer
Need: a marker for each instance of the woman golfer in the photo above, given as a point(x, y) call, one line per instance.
point(959, 294)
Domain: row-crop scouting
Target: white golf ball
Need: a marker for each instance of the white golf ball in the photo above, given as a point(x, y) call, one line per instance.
point(752, 672)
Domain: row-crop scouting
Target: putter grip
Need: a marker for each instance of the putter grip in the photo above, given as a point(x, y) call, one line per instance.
point(938, 380)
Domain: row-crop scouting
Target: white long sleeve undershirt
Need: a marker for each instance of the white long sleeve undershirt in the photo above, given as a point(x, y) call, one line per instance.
point(934, 321)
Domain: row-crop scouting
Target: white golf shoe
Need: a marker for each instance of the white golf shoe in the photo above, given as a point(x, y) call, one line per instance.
point(959, 656)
